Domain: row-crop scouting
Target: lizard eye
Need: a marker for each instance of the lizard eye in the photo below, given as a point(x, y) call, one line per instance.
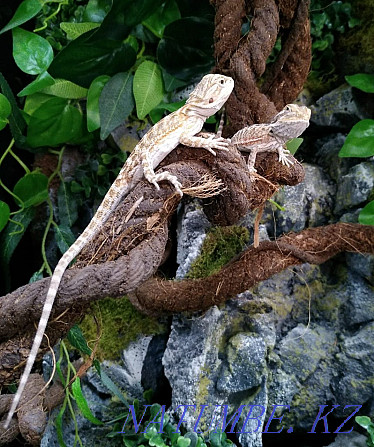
point(288, 108)
point(222, 81)
point(211, 100)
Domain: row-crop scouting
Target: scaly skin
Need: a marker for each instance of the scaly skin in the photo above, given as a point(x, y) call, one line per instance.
point(181, 126)
point(287, 124)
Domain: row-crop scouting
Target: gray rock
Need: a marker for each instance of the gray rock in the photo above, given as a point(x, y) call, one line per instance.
point(339, 109)
point(360, 306)
point(192, 228)
point(362, 265)
point(309, 203)
point(352, 439)
point(355, 187)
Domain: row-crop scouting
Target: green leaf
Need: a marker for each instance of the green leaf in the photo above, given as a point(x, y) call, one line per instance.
point(366, 216)
point(5, 107)
point(82, 403)
point(84, 59)
point(42, 81)
point(66, 89)
point(34, 101)
point(165, 14)
point(183, 442)
point(294, 144)
point(74, 30)
point(108, 383)
point(158, 112)
point(4, 214)
point(171, 83)
point(364, 82)
point(64, 237)
point(67, 205)
point(25, 11)
point(359, 141)
point(32, 189)
point(186, 49)
point(364, 421)
point(148, 88)
point(76, 339)
point(115, 103)
point(96, 10)
point(36, 277)
point(53, 123)
point(58, 424)
point(93, 95)
point(11, 237)
point(32, 53)
point(16, 121)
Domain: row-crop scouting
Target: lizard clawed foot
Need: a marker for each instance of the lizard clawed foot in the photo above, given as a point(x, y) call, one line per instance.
point(252, 173)
point(284, 155)
point(170, 178)
point(214, 142)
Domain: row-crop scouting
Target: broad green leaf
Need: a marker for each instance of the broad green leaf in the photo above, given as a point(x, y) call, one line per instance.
point(32, 189)
point(34, 101)
point(67, 205)
point(64, 237)
point(4, 214)
point(74, 30)
point(183, 442)
point(366, 216)
point(82, 403)
point(5, 107)
point(171, 83)
point(11, 237)
point(189, 8)
point(36, 277)
point(76, 339)
point(93, 95)
point(364, 82)
point(360, 140)
point(186, 49)
point(165, 14)
point(25, 11)
point(148, 88)
point(16, 121)
point(53, 123)
point(364, 421)
point(32, 53)
point(65, 89)
point(85, 59)
point(43, 80)
point(96, 10)
point(158, 112)
point(294, 144)
point(115, 103)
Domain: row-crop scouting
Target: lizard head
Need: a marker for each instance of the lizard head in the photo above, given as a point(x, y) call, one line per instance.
point(290, 122)
point(210, 94)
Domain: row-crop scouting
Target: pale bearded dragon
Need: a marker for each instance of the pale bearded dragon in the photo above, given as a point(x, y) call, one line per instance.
point(181, 126)
point(287, 124)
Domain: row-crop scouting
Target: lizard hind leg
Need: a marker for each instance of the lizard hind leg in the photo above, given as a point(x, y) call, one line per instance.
point(169, 177)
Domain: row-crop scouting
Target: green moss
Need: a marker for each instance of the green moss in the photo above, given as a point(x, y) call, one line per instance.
point(120, 323)
point(219, 247)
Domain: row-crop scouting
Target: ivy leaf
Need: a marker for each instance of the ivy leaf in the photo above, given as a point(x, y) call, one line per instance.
point(360, 140)
point(74, 30)
point(25, 11)
point(65, 89)
point(85, 59)
point(93, 95)
point(34, 101)
point(16, 121)
point(294, 144)
point(148, 88)
point(76, 339)
point(33, 54)
point(67, 206)
point(53, 123)
point(43, 80)
point(165, 14)
point(96, 10)
point(64, 237)
point(5, 110)
point(116, 102)
point(82, 402)
point(11, 237)
point(185, 51)
point(32, 189)
point(4, 214)
point(366, 216)
point(364, 82)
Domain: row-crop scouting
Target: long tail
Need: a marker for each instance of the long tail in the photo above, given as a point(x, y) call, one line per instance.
point(118, 190)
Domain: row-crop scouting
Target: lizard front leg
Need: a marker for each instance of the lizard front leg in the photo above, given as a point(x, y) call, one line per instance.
point(210, 143)
point(154, 178)
point(283, 156)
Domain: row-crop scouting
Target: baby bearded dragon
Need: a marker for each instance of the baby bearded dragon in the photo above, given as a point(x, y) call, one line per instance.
point(181, 126)
point(287, 124)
